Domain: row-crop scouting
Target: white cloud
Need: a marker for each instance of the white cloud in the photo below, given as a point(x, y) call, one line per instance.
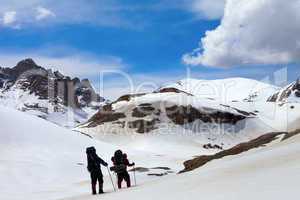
point(201, 9)
point(209, 9)
point(252, 32)
point(119, 83)
point(100, 13)
point(43, 13)
point(76, 65)
point(9, 18)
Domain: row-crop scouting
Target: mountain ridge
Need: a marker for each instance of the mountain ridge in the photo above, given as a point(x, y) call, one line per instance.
point(48, 92)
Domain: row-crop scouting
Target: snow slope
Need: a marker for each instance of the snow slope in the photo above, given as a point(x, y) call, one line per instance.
point(37, 157)
point(40, 160)
point(270, 173)
point(226, 90)
point(30, 103)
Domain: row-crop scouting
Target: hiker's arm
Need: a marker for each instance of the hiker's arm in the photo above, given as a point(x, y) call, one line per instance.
point(102, 162)
point(88, 167)
point(113, 160)
point(132, 164)
point(128, 164)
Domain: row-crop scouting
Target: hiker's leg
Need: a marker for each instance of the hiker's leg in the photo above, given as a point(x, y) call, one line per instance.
point(94, 183)
point(120, 179)
point(100, 181)
point(127, 179)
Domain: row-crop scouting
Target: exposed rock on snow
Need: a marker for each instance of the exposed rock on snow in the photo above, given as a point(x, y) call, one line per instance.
point(238, 149)
point(146, 112)
point(50, 95)
point(210, 146)
point(290, 93)
point(186, 102)
point(171, 89)
point(188, 114)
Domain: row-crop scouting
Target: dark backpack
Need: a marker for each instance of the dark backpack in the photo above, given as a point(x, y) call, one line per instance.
point(119, 159)
point(90, 150)
point(93, 165)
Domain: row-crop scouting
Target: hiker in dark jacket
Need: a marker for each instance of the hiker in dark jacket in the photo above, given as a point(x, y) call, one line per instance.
point(120, 162)
point(94, 167)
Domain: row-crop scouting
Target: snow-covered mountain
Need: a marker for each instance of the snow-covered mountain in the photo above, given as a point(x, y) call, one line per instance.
point(239, 143)
point(47, 94)
point(215, 114)
point(290, 93)
point(40, 160)
point(226, 90)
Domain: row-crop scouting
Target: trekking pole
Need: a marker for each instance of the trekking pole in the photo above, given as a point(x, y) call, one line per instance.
point(134, 176)
point(111, 179)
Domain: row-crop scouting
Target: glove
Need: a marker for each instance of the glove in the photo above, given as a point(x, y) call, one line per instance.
point(105, 164)
point(133, 164)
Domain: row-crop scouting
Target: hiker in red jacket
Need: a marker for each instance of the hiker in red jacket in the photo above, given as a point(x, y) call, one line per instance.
point(120, 162)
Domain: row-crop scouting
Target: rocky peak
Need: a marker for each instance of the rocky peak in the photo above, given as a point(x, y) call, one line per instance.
point(24, 66)
point(27, 62)
point(288, 93)
point(29, 76)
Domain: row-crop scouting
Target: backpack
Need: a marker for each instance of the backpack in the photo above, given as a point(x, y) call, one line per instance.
point(93, 165)
point(119, 159)
point(120, 166)
point(90, 150)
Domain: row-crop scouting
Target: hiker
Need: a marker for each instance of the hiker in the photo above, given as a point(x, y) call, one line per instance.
point(120, 162)
point(94, 167)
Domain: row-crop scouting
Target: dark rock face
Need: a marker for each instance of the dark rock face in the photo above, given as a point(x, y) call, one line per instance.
point(148, 116)
point(188, 114)
point(128, 97)
point(210, 146)
point(54, 86)
point(24, 67)
point(101, 118)
point(273, 98)
point(238, 149)
point(286, 93)
point(106, 114)
point(174, 90)
point(143, 126)
point(144, 110)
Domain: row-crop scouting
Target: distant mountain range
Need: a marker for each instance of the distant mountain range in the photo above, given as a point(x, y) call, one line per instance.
point(51, 95)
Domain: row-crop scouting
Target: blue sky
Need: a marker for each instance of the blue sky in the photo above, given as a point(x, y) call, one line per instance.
point(145, 39)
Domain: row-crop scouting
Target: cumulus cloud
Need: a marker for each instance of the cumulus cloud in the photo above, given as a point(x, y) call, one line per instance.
point(252, 32)
point(209, 9)
point(9, 18)
point(43, 13)
point(79, 64)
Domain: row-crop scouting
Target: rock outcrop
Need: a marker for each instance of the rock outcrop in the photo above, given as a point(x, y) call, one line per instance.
point(56, 87)
point(238, 149)
point(59, 91)
point(148, 115)
point(289, 93)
